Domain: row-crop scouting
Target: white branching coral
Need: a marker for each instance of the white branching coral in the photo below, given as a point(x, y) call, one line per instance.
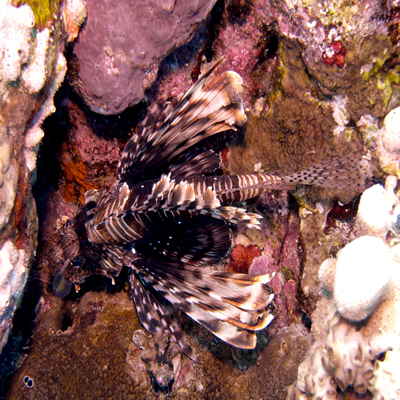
point(348, 355)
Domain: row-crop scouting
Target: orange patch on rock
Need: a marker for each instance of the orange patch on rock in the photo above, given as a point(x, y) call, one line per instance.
point(242, 257)
point(74, 171)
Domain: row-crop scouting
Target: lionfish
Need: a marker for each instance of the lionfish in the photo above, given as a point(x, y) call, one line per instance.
point(167, 218)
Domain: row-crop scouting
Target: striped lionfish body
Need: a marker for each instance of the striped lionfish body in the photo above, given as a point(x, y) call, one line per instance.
point(166, 219)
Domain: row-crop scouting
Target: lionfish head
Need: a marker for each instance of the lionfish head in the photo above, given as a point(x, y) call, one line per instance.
point(68, 258)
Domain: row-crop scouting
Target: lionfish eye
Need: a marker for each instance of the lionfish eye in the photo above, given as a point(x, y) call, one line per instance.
point(78, 261)
point(69, 223)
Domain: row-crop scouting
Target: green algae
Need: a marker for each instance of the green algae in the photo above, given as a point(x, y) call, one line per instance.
point(281, 73)
point(45, 11)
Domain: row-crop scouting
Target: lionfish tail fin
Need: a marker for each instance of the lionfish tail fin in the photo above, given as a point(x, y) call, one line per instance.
point(339, 173)
point(231, 306)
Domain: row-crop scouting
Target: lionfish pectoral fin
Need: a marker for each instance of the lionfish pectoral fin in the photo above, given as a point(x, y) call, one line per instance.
point(156, 316)
point(339, 173)
point(231, 310)
point(185, 238)
point(240, 337)
point(234, 215)
point(185, 166)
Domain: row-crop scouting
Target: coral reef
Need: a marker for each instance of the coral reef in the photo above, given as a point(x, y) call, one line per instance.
point(17, 22)
point(279, 242)
point(122, 45)
point(348, 356)
point(242, 257)
point(384, 142)
point(335, 54)
point(168, 370)
point(93, 356)
point(357, 318)
point(382, 200)
point(13, 275)
point(45, 11)
point(321, 79)
point(8, 179)
point(385, 382)
point(86, 159)
point(82, 336)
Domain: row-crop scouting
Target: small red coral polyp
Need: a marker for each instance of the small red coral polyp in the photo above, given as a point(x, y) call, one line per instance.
point(340, 212)
point(224, 155)
point(338, 47)
point(328, 60)
point(338, 56)
point(242, 257)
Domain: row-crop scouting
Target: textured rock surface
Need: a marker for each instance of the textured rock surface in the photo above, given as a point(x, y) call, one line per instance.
point(91, 345)
point(123, 43)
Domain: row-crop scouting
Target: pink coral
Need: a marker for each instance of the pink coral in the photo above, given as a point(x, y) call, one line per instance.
point(122, 44)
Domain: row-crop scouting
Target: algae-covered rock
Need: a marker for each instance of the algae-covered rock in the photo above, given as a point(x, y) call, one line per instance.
point(82, 348)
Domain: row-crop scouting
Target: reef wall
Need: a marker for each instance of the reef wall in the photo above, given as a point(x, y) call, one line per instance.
point(321, 79)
